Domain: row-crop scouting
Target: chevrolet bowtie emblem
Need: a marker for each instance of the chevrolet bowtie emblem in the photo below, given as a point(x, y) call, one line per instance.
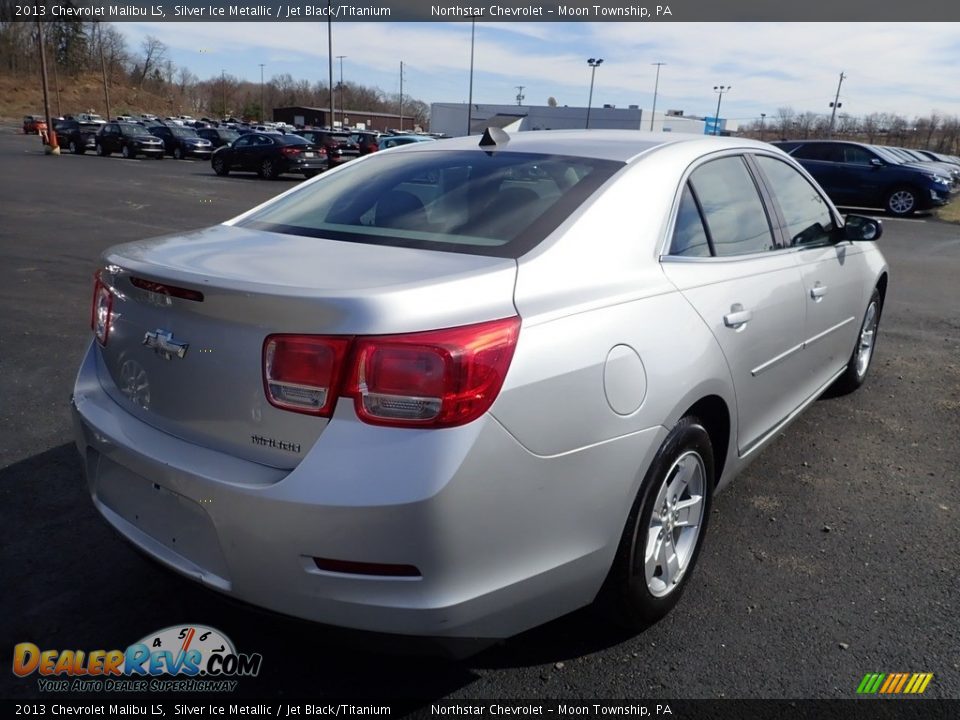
point(163, 343)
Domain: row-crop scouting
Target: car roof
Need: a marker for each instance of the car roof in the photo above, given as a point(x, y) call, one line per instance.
point(618, 145)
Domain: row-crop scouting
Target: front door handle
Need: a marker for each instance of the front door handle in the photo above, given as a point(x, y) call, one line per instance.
point(818, 291)
point(737, 317)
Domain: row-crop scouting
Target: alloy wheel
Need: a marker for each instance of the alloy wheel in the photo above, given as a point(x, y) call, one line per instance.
point(868, 334)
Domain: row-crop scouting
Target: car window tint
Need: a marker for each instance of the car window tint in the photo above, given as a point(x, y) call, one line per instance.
point(734, 214)
point(857, 155)
point(816, 151)
point(807, 217)
point(462, 201)
point(689, 236)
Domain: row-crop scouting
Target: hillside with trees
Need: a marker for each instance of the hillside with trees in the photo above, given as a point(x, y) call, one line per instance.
point(145, 79)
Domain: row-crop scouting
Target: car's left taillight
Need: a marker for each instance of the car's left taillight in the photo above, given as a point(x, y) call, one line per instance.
point(290, 152)
point(100, 313)
point(303, 372)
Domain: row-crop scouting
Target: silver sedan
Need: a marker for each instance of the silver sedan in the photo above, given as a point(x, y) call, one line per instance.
point(459, 389)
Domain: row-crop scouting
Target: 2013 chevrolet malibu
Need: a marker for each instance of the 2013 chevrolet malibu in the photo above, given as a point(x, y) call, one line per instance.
point(459, 389)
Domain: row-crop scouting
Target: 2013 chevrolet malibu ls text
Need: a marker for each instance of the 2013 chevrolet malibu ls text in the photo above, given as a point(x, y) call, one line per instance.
point(459, 389)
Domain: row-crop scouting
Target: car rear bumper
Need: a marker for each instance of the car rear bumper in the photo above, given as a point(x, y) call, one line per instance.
point(503, 539)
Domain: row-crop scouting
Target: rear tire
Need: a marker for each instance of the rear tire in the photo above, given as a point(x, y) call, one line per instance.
point(310, 173)
point(664, 531)
point(861, 358)
point(902, 201)
point(268, 171)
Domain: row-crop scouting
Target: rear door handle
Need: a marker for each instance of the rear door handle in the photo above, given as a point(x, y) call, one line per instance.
point(737, 317)
point(818, 291)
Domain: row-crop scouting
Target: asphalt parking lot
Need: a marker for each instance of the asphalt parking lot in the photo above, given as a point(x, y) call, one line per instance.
point(834, 555)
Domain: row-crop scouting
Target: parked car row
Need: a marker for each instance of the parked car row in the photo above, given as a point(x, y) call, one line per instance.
point(859, 175)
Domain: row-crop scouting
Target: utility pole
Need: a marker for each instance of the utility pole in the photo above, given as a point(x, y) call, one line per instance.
point(836, 103)
point(473, 33)
point(223, 90)
point(56, 81)
point(520, 95)
point(762, 116)
point(261, 93)
point(103, 71)
point(656, 86)
point(401, 96)
point(330, 57)
point(50, 146)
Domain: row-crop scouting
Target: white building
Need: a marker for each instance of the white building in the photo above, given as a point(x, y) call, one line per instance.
point(451, 119)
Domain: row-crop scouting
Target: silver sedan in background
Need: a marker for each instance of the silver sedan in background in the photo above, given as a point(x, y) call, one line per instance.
point(459, 389)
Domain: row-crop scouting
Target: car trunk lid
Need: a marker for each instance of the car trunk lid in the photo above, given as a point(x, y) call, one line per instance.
point(190, 314)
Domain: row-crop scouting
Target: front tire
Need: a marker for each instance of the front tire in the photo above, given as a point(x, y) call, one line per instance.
point(177, 153)
point(902, 201)
point(859, 364)
point(664, 531)
point(101, 151)
point(126, 152)
point(220, 167)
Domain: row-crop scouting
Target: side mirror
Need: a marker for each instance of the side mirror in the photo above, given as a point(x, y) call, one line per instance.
point(876, 162)
point(862, 228)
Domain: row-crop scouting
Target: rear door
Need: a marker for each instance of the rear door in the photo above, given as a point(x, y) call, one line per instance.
point(727, 262)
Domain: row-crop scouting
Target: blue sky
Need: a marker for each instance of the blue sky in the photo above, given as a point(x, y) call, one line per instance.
point(906, 68)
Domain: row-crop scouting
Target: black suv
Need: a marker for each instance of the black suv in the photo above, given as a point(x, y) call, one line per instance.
point(858, 175)
point(76, 136)
point(340, 146)
point(218, 136)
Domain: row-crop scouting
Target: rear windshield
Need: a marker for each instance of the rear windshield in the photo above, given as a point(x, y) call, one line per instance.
point(183, 132)
point(482, 203)
point(290, 140)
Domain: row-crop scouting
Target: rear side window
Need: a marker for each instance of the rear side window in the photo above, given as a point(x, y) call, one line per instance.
point(470, 201)
point(818, 151)
point(689, 237)
point(735, 218)
point(808, 220)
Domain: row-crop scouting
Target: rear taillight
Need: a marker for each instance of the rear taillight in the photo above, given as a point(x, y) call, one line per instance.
point(302, 372)
point(439, 378)
point(290, 151)
point(100, 313)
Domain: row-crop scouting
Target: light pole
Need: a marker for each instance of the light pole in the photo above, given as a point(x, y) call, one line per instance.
point(836, 103)
point(656, 86)
point(473, 34)
point(343, 113)
point(223, 90)
point(261, 93)
point(720, 89)
point(330, 58)
point(520, 95)
point(762, 117)
point(594, 63)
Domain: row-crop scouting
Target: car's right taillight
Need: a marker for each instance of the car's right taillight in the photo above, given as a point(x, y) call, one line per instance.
point(101, 311)
point(439, 378)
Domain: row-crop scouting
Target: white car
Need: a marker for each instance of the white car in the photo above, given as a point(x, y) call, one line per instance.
point(459, 389)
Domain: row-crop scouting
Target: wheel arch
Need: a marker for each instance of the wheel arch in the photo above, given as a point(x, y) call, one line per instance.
point(714, 413)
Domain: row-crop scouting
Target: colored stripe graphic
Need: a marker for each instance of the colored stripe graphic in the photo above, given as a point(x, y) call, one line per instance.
point(894, 683)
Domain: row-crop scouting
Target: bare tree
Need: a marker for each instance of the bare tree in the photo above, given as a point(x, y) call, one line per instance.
point(154, 55)
point(785, 117)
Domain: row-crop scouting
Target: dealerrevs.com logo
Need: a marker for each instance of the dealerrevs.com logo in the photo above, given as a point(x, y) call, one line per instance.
point(189, 658)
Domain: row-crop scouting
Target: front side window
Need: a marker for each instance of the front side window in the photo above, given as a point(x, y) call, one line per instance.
point(808, 220)
point(470, 201)
point(735, 218)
